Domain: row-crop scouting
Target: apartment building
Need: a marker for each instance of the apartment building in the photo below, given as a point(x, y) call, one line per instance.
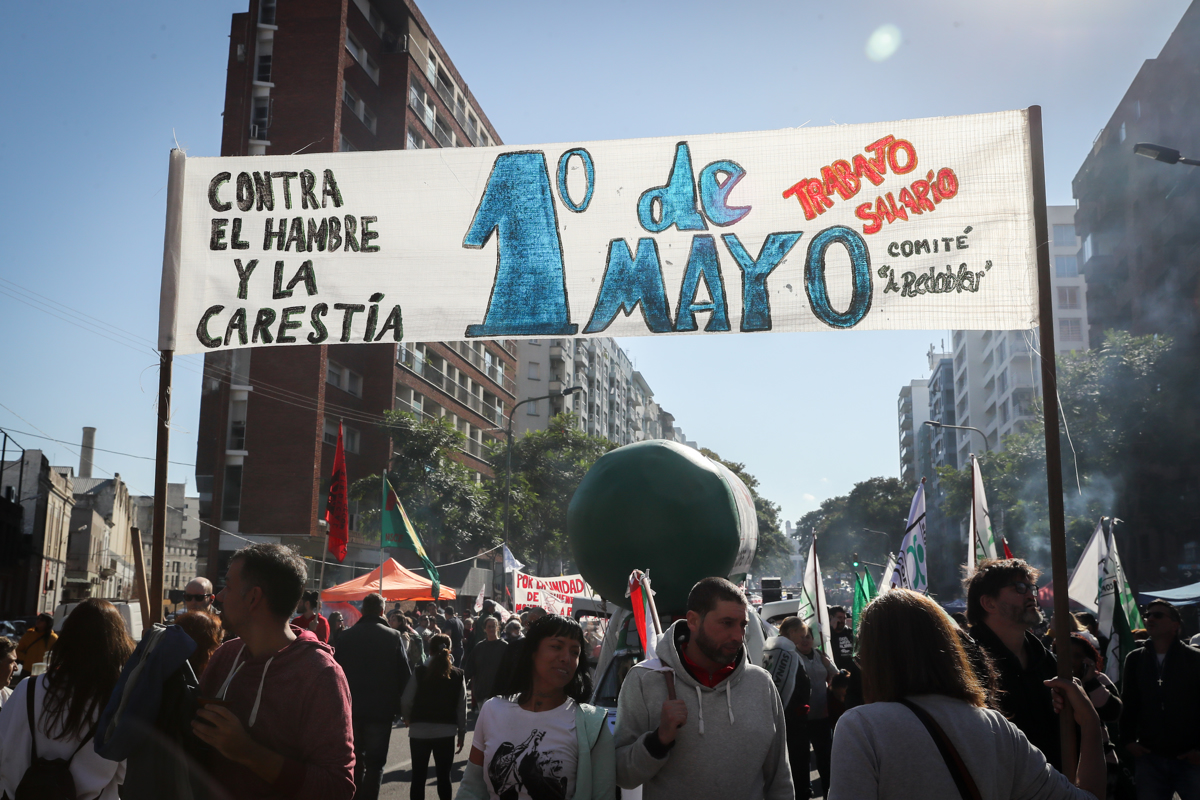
point(997, 374)
point(912, 411)
point(325, 76)
point(615, 401)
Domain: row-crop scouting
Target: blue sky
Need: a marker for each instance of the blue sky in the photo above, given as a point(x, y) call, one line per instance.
point(97, 94)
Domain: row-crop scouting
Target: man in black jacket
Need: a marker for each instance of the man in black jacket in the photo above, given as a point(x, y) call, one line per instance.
point(372, 654)
point(1002, 608)
point(1160, 723)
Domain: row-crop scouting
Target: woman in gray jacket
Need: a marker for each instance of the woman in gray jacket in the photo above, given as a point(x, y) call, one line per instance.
point(924, 704)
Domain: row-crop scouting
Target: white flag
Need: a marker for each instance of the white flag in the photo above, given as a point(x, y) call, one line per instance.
point(911, 561)
point(891, 573)
point(813, 608)
point(1118, 610)
point(983, 538)
point(1084, 587)
point(510, 561)
point(479, 601)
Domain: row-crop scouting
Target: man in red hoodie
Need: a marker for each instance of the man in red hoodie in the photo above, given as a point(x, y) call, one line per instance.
point(281, 726)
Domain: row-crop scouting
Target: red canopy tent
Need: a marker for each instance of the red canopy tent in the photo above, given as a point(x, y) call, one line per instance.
point(398, 584)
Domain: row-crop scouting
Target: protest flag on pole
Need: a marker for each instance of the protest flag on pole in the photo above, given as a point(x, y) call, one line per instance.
point(911, 561)
point(864, 593)
point(983, 538)
point(643, 611)
point(1119, 614)
point(479, 601)
point(510, 561)
point(398, 531)
point(1007, 553)
point(891, 573)
point(813, 608)
point(337, 509)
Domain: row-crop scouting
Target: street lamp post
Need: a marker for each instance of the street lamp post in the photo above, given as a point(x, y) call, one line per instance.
point(935, 424)
point(1167, 155)
point(509, 444)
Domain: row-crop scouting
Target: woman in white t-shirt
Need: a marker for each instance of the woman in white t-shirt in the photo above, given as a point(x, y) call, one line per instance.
point(544, 743)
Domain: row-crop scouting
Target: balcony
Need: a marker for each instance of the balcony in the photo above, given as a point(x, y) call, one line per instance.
point(494, 371)
point(581, 357)
point(557, 354)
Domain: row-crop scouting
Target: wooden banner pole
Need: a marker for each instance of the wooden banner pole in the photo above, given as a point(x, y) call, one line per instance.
point(158, 541)
point(139, 571)
point(1054, 484)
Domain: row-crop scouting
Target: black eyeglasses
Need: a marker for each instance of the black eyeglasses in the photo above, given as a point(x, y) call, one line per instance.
point(196, 598)
point(1023, 588)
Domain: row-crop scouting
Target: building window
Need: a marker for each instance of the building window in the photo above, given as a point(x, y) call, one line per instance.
point(260, 118)
point(263, 74)
point(344, 145)
point(415, 141)
point(1068, 297)
point(266, 12)
point(1004, 413)
point(360, 55)
point(1070, 329)
point(531, 408)
point(351, 99)
point(1002, 382)
point(231, 498)
point(1066, 266)
point(343, 378)
point(350, 436)
point(535, 371)
point(1064, 235)
point(1122, 131)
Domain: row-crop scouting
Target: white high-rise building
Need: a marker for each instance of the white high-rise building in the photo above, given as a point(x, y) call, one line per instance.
point(912, 411)
point(615, 401)
point(997, 375)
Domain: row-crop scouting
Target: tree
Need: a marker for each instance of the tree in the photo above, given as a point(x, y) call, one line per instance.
point(547, 467)
point(774, 553)
point(448, 509)
point(841, 523)
point(1130, 445)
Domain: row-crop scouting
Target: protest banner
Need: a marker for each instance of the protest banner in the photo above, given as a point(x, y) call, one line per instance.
point(552, 594)
point(917, 224)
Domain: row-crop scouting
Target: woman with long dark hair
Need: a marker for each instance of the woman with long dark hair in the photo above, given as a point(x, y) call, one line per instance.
point(435, 707)
point(543, 742)
point(67, 700)
point(925, 729)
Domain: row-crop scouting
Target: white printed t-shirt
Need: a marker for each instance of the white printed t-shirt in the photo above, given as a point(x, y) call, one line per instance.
point(530, 755)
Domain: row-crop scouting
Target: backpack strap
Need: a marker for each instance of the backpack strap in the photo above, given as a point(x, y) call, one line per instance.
point(32, 725)
point(33, 753)
point(958, 768)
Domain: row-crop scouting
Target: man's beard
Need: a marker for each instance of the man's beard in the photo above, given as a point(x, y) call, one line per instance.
point(712, 650)
point(1029, 616)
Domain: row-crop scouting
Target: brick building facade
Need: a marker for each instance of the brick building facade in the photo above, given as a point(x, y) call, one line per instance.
point(329, 76)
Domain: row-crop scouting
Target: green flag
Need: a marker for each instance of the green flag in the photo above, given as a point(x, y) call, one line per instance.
point(397, 531)
point(863, 592)
point(872, 589)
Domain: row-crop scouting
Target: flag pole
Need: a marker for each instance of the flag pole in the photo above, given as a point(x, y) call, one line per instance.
point(324, 555)
point(1054, 486)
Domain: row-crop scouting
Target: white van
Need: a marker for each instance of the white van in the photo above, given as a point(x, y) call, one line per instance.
point(130, 612)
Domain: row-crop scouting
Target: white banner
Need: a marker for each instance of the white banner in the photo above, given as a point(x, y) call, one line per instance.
point(552, 594)
point(918, 224)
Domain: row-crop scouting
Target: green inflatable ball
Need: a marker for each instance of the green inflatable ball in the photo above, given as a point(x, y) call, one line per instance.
point(663, 508)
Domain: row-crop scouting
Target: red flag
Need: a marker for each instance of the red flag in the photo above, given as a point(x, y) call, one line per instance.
point(1007, 552)
point(337, 512)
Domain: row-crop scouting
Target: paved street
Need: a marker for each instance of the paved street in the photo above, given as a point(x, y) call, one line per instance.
point(397, 776)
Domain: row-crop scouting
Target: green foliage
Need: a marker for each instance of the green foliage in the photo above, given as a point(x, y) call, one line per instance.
point(841, 523)
point(448, 509)
point(547, 467)
point(774, 553)
point(1125, 436)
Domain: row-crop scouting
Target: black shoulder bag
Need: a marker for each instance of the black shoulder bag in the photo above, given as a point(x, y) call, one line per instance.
point(46, 778)
point(958, 768)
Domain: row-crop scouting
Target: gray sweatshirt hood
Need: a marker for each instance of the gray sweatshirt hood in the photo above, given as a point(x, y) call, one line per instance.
point(668, 654)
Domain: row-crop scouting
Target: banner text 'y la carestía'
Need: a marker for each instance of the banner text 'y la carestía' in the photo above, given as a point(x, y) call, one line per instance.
point(920, 224)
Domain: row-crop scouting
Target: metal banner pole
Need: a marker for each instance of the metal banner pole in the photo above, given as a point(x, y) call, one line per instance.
point(158, 541)
point(1054, 484)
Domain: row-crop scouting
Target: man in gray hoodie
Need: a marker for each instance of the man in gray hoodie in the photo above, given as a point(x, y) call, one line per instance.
point(696, 745)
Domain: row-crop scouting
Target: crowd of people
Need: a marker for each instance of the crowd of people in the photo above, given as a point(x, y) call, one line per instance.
point(272, 699)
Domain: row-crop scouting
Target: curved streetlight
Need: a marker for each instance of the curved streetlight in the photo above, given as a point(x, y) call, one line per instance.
point(935, 424)
point(509, 445)
point(1167, 155)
